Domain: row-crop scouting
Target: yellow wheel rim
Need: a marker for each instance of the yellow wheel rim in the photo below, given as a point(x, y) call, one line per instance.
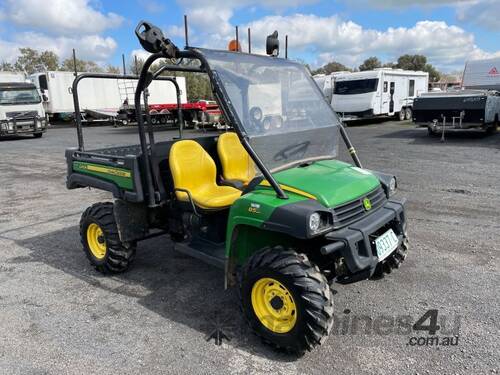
point(96, 241)
point(273, 305)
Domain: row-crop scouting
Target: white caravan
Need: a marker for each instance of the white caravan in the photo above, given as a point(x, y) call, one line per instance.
point(98, 95)
point(379, 92)
point(326, 83)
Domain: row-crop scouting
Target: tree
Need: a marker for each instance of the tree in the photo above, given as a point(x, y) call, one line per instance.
point(31, 60)
point(370, 64)
point(112, 69)
point(331, 67)
point(81, 66)
point(6, 66)
point(418, 62)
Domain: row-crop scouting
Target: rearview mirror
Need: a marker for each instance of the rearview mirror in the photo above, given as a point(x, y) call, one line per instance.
point(273, 44)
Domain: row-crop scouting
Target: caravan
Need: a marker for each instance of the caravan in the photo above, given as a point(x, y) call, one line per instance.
point(380, 92)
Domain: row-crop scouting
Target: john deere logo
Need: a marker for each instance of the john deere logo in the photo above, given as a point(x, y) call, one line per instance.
point(367, 204)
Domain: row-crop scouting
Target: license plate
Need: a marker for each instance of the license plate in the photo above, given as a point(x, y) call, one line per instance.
point(386, 244)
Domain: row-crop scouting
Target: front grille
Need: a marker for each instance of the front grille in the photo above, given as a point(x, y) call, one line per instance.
point(22, 115)
point(352, 211)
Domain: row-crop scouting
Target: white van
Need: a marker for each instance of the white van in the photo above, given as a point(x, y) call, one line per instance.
point(21, 110)
point(380, 92)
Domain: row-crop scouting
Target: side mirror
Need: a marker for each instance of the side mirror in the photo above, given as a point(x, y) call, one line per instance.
point(273, 44)
point(44, 98)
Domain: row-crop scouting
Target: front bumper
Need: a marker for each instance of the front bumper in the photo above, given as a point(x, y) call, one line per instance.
point(357, 240)
point(23, 126)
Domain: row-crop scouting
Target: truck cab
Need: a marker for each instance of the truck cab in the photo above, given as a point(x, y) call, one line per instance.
point(21, 110)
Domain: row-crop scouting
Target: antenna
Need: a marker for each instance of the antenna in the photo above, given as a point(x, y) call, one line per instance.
point(237, 41)
point(249, 42)
point(74, 62)
point(286, 46)
point(186, 34)
point(123, 63)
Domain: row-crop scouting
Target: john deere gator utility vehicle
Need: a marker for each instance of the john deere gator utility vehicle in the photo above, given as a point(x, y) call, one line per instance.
point(268, 203)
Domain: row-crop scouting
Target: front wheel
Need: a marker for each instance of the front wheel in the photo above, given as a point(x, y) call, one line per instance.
point(37, 135)
point(493, 129)
point(402, 114)
point(101, 242)
point(286, 300)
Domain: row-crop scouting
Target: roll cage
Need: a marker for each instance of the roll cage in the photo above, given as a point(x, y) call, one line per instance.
point(146, 145)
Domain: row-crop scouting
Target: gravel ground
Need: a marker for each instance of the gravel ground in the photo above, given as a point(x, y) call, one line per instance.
point(58, 315)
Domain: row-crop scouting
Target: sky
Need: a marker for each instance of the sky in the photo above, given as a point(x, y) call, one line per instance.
point(448, 32)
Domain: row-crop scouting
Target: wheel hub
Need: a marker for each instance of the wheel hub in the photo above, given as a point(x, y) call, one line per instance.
point(96, 241)
point(273, 305)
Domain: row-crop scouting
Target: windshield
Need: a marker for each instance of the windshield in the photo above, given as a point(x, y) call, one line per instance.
point(360, 86)
point(19, 96)
point(279, 107)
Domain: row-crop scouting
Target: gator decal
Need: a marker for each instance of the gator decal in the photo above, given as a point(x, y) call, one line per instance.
point(121, 177)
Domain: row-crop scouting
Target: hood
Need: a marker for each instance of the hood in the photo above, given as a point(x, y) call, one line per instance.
point(332, 182)
point(353, 103)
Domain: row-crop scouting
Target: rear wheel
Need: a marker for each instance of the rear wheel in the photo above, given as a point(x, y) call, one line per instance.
point(408, 114)
point(286, 299)
point(101, 242)
point(493, 129)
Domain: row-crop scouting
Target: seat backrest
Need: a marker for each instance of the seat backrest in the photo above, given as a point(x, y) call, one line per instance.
point(236, 163)
point(191, 166)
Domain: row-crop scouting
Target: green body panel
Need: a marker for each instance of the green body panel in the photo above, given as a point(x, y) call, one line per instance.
point(120, 176)
point(332, 182)
point(251, 211)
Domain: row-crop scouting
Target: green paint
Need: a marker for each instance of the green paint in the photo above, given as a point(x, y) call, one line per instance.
point(120, 176)
point(332, 182)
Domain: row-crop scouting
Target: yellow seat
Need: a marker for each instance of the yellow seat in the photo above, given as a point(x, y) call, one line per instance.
point(236, 163)
point(194, 170)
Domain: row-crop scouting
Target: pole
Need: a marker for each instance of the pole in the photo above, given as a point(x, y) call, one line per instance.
point(286, 46)
point(249, 42)
point(186, 30)
point(74, 62)
point(237, 40)
point(123, 63)
point(350, 147)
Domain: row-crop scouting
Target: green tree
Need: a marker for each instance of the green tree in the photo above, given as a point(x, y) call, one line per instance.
point(331, 67)
point(112, 69)
point(418, 62)
point(370, 64)
point(6, 66)
point(31, 60)
point(81, 66)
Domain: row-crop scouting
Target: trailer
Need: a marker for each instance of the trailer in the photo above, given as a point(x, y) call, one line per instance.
point(197, 113)
point(379, 92)
point(101, 99)
point(458, 110)
point(475, 105)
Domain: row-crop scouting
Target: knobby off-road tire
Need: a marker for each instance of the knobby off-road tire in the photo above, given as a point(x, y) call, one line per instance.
point(306, 305)
point(101, 242)
point(392, 262)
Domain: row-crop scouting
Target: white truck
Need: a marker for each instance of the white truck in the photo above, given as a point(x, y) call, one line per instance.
point(99, 98)
point(21, 110)
point(379, 92)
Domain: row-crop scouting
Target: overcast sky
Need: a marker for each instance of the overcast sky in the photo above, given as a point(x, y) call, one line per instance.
point(449, 32)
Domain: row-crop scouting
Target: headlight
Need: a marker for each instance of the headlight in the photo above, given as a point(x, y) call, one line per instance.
point(392, 186)
point(314, 222)
point(3, 126)
point(38, 124)
point(320, 222)
point(11, 125)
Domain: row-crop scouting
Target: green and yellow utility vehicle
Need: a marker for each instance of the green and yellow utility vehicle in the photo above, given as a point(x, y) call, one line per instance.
point(268, 203)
